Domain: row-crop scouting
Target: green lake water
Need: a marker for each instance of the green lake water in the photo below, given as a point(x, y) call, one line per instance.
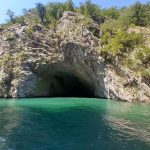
point(73, 124)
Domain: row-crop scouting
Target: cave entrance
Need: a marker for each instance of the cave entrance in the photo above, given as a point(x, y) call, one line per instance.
point(69, 85)
point(66, 83)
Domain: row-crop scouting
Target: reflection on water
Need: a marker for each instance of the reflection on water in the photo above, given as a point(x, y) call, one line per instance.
point(73, 124)
point(9, 119)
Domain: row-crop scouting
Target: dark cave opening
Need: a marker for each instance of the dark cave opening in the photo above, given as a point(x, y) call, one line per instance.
point(63, 80)
point(70, 85)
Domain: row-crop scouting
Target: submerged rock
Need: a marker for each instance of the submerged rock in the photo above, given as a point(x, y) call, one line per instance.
point(62, 62)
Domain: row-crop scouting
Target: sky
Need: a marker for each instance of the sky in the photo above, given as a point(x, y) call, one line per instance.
point(17, 5)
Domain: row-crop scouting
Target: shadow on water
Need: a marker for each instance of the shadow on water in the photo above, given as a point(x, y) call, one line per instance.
point(65, 125)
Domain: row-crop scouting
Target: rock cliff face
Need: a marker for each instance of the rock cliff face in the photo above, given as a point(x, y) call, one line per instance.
point(36, 61)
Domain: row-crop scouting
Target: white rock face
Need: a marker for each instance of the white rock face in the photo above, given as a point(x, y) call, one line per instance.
point(38, 54)
point(125, 88)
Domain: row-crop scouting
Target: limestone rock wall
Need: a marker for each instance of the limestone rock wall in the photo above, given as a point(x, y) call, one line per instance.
point(30, 54)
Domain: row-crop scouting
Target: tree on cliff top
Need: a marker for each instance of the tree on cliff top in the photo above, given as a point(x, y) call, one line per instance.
point(137, 14)
point(91, 10)
point(41, 11)
point(69, 5)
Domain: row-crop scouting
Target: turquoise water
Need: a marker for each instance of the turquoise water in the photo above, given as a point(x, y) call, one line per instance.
point(73, 124)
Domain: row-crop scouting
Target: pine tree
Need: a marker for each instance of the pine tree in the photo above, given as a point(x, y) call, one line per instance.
point(137, 13)
point(69, 5)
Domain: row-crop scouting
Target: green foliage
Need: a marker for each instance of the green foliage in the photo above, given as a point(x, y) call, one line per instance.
point(9, 36)
point(20, 56)
point(140, 14)
point(129, 48)
point(29, 31)
point(41, 11)
point(111, 13)
point(137, 14)
point(69, 5)
point(145, 73)
point(129, 62)
point(91, 10)
point(115, 39)
point(143, 55)
point(86, 21)
point(5, 60)
point(54, 12)
point(125, 17)
point(20, 19)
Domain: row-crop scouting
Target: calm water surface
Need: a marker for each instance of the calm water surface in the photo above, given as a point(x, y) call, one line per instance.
point(73, 124)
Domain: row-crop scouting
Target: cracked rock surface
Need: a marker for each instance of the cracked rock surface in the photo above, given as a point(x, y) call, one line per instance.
point(35, 61)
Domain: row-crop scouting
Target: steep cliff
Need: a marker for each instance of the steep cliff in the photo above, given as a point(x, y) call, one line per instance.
point(36, 61)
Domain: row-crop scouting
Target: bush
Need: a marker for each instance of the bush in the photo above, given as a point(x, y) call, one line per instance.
point(69, 5)
point(5, 60)
point(143, 55)
point(29, 31)
point(137, 14)
point(92, 11)
point(20, 20)
point(115, 39)
point(111, 13)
